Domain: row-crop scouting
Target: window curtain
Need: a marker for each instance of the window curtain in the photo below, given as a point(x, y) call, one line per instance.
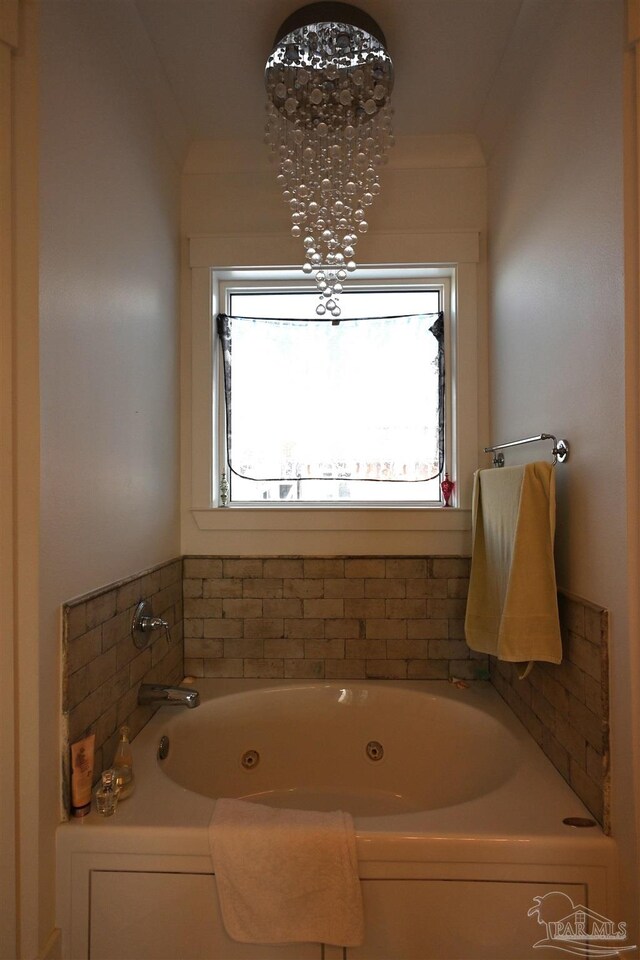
point(306, 399)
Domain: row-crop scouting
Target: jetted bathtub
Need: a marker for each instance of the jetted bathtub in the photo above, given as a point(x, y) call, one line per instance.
point(458, 816)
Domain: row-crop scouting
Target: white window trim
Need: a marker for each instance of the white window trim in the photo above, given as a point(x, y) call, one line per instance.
point(441, 279)
point(457, 252)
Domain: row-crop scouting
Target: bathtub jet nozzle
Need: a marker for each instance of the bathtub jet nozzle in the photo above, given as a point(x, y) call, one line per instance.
point(160, 693)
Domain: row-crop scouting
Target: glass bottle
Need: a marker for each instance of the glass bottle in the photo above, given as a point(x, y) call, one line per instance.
point(107, 794)
point(447, 486)
point(123, 765)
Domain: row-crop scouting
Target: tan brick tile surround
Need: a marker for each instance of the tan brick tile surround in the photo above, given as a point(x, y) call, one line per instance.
point(565, 707)
point(102, 668)
point(314, 617)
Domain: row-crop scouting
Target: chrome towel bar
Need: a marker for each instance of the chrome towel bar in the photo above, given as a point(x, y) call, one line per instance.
point(560, 448)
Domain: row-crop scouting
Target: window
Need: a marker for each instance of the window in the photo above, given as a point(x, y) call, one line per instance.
point(354, 414)
point(448, 260)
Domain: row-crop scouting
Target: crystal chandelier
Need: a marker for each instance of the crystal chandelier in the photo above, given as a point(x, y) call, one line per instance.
point(329, 79)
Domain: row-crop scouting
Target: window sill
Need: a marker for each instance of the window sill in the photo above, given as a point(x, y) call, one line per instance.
point(298, 518)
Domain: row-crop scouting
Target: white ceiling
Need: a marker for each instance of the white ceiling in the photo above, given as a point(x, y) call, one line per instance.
point(454, 59)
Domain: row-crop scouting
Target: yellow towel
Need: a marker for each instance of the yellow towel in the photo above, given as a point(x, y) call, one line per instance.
point(512, 608)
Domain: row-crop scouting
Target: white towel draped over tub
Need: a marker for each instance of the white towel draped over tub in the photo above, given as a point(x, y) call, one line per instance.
point(512, 608)
point(286, 875)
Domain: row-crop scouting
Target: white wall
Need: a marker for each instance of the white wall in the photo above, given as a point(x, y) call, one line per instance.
point(556, 321)
point(109, 346)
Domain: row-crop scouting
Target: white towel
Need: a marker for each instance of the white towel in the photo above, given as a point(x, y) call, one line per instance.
point(512, 608)
point(286, 875)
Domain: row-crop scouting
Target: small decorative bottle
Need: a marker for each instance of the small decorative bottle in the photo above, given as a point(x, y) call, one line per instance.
point(447, 486)
point(123, 766)
point(107, 795)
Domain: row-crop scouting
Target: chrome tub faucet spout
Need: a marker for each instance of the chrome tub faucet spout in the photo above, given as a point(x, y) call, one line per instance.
point(160, 693)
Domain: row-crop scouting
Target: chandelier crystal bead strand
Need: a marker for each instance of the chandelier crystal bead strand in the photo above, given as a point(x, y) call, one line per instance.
point(329, 80)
